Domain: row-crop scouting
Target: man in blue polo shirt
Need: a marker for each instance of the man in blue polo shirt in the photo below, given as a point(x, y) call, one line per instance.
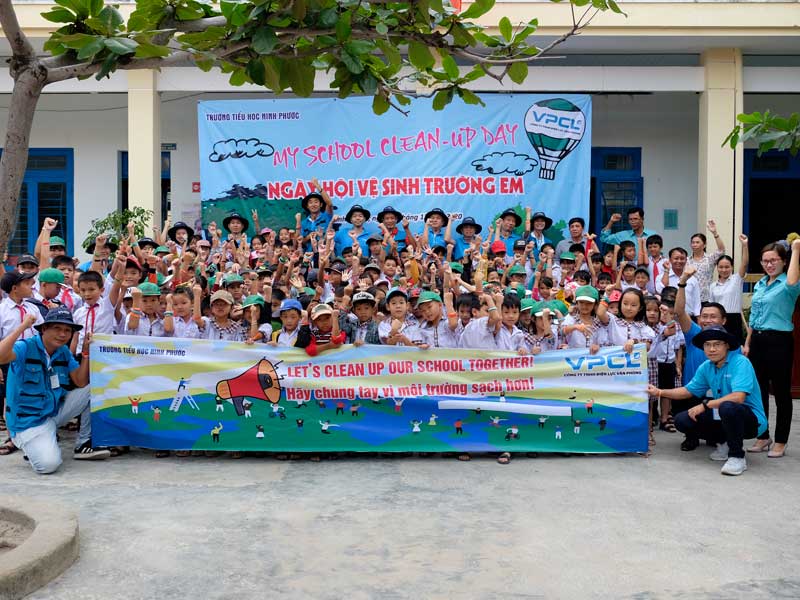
point(734, 411)
point(637, 230)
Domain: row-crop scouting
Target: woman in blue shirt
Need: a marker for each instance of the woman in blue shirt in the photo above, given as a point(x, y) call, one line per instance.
point(770, 344)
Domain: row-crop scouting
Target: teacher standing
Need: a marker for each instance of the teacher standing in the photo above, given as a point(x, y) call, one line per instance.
point(770, 344)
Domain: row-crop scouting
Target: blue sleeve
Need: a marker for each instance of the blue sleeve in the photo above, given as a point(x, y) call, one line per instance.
point(20, 354)
point(72, 364)
point(744, 377)
point(608, 238)
point(688, 336)
point(698, 386)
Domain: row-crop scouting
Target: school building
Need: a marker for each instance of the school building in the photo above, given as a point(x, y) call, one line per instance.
point(667, 82)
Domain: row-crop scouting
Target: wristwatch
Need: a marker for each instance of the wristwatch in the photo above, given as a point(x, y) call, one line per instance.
point(705, 403)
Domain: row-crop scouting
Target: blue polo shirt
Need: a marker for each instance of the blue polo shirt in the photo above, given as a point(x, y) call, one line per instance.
point(399, 235)
point(627, 235)
point(694, 355)
point(735, 375)
point(459, 246)
point(436, 239)
point(343, 240)
point(773, 304)
point(309, 225)
point(509, 242)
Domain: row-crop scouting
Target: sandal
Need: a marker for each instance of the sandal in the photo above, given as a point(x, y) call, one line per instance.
point(162, 453)
point(667, 426)
point(237, 455)
point(464, 457)
point(119, 450)
point(3, 425)
point(7, 448)
point(504, 458)
point(183, 453)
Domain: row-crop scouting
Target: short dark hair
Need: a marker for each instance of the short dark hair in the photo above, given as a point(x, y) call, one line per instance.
point(626, 244)
point(546, 245)
point(642, 270)
point(603, 276)
point(278, 294)
point(777, 247)
point(184, 290)
point(678, 249)
point(57, 261)
point(577, 220)
point(91, 277)
point(469, 300)
point(583, 275)
point(511, 301)
point(640, 316)
point(723, 313)
point(577, 248)
point(654, 239)
point(546, 281)
point(725, 257)
point(596, 257)
point(635, 210)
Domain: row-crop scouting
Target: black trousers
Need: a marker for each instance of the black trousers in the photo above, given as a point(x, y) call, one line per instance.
point(772, 355)
point(737, 423)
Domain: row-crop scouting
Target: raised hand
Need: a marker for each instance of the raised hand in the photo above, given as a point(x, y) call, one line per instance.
point(616, 218)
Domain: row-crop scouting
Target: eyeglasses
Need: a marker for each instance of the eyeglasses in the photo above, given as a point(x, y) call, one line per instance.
point(713, 345)
point(771, 261)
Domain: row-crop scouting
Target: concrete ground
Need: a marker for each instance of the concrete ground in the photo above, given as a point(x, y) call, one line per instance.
point(667, 526)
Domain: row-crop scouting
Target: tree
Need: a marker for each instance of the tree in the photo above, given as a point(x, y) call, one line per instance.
point(380, 48)
point(770, 132)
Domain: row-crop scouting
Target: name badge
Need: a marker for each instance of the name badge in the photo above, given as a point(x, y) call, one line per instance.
point(54, 383)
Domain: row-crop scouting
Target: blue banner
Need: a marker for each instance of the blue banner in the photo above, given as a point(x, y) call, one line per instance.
point(516, 151)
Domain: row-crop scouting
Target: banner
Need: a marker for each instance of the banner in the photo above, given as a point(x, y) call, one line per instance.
point(470, 160)
point(183, 394)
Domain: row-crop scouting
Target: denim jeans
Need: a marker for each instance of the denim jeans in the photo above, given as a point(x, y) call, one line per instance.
point(39, 443)
point(737, 423)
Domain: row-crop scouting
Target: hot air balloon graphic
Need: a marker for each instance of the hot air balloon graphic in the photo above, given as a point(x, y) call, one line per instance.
point(554, 127)
point(261, 381)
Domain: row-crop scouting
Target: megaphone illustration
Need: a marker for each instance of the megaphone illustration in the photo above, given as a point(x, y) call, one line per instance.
point(261, 382)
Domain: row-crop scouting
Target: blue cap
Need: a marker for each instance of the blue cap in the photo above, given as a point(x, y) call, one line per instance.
point(291, 304)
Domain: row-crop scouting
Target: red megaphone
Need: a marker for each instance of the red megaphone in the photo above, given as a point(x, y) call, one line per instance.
point(260, 381)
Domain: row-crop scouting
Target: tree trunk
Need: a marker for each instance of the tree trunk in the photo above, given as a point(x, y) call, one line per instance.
point(28, 84)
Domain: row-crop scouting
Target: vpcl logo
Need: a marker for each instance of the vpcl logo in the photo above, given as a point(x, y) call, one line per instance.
point(619, 360)
point(564, 121)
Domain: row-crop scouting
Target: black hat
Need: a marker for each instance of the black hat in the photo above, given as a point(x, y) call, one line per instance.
point(235, 215)
point(510, 212)
point(390, 210)
point(548, 222)
point(12, 278)
point(469, 221)
point(357, 208)
point(716, 332)
point(27, 259)
point(146, 241)
point(60, 315)
point(174, 229)
point(520, 245)
point(109, 244)
point(318, 196)
point(437, 211)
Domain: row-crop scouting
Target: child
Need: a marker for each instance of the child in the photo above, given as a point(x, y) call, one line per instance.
point(652, 259)
point(653, 317)
point(185, 304)
point(400, 329)
point(509, 336)
point(291, 333)
point(641, 280)
point(526, 317)
point(16, 305)
point(436, 331)
point(545, 336)
point(254, 310)
point(630, 327)
point(480, 331)
point(362, 329)
point(667, 350)
point(143, 318)
point(581, 328)
point(68, 297)
point(628, 251)
point(603, 282)
point(625, 277)
point(219, 325)
point(325, 332)
point(96, 312)
point(50, 282)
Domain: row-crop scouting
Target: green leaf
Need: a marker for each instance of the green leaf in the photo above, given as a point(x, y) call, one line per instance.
point(299, 9)
point(76, 41)
point(238, 78)
point(256, 71)
point(368, 83)
point(615, 8)
point(95, 7)
point(420, 55)
point(121, 46)
point(59, 15)
point(203, 65)
point(390, 52)
point(301, 77)
point(380, 104)
point(343, 27)
point(185, 13)
point(272, 73)
point(108, 21)
point(353, 63)
point(109, 66)
point(442, 98)
point(470, 97)
point(437, 6)
point(449, 65)
point(505, 28)
point(92, 48)
point(148, 50)
point(518, 72)
point(264, 40)
point(357, 47)
point(479, 8)
point(328, 17)
point(381, 27)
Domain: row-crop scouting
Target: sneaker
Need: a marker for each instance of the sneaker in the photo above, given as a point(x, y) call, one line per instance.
point(734, 466)
point(721, 453)
point(86, 452)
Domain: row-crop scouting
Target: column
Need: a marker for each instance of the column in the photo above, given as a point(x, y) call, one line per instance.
point(144, 142)
point(720, 172)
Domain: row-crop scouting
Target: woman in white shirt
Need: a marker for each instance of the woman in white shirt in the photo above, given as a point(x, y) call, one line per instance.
point(727, 290)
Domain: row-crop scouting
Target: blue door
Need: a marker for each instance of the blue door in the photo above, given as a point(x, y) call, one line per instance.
point(617, 185)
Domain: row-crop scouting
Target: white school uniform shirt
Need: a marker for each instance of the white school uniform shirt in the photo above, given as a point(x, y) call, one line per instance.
point(513, 339)
point(285, 338)
point(620, 331)
point(99, 319)
point(146, 327)
point(233, 333)
point(654, 265)
point(728, 293)
point(69, 298)
point(409, 329)
point(185, 329)
point(11, 315)
point(478, 334)
point(440, 336)
point(576, 339)
point(692, 292)
point(664, 349)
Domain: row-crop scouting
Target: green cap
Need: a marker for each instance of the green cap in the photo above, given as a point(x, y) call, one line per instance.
point(232, 278)
point(309, 291)
point(161, 249)
point(588, 293)
point(253, 300)
point(516, 270)
point(57, 241)
point(428, 297)
point(527, 304)
point(567, 256)
point(457, 267)
point(51, 276)
point(519, 291)
point(538, 308)
point(149, 289)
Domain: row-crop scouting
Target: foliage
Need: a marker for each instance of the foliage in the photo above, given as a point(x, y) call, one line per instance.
point(116, 224)
point(769, 131)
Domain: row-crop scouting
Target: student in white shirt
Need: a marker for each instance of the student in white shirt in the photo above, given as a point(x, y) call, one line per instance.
point(437, 331)
point(96, 313)
point(479, 332)
point(219, 325)
point(727, 290)
point(673, 269)
point(399, 329)
point(18, 287)
point(185, 305)
point(509, 336)
point(143, 318)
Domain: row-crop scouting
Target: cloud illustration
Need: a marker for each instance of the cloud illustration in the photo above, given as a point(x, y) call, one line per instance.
point(506, 162)
point(242, 148)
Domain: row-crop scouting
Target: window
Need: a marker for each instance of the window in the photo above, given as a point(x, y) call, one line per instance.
point(617, 185)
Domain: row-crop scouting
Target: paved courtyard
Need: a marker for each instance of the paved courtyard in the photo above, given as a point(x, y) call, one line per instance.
point(667, 526)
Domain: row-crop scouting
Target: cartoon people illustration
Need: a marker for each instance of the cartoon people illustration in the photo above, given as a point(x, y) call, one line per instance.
point(496, 421)
point(134, 404)
point(577, 426)
point(590, 406)
point(376, 400)
point(603, 423)
point(156, 414)
point(215, 433)
point(182, 384)
point(398, 404)
point(459, 425)
point(247, 405)
point(354, 409)
point(574, 395)
point(340, 407)
point(278, 411)
point(321, 404)
point(260, 432)
point(326, 425)
point(432, 420)
point(478, 410)
point(502, 396)
point(415, 426)
point(558, 432)
point(299, 423)
point(542, 421)
point(220, 404)
point(512, 433)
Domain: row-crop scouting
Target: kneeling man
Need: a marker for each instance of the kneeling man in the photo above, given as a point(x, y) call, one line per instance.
point(731, 411)
point(46, 389)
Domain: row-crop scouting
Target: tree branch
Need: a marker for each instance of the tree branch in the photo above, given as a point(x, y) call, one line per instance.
point(198, 25)
point(20, 46)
